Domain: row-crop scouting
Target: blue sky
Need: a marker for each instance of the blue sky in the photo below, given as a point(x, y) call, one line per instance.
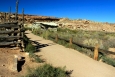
point(95, 10)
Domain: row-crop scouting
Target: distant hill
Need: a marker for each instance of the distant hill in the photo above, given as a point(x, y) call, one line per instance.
point(81, 24)
point(28, 18)
point(86, 25)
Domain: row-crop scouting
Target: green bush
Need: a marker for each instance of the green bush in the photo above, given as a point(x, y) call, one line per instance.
point(36, 58)
point(28, 45)
point(87, 38)
point(47, 70)
point(108, 60)
point(30, 48)
point(26, 41)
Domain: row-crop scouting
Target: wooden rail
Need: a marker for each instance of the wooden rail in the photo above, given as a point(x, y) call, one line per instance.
point(102, 51)
point(8, 25)
point(1, 37)
point(9, 39)
point(15, 22)
point(7, 43)
point(11, 31)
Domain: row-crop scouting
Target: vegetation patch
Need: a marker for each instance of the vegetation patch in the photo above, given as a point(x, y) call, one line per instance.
point(47, 70)
point(31, 49)
point(109, 61)
point(35, 58)
point(87, 38)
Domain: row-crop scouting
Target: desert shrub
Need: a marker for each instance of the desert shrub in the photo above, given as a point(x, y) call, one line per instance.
point(28, 45)
point(62, 42)
point(46, 34)
point(87, 38)
point(108, 60)
point(90, 42)
point(26, 39)
point(47, 70)
point(85, 51)
point(35, 31)
point(30, 48)
point(108, 44)
point(35, 58)
point(27, 28)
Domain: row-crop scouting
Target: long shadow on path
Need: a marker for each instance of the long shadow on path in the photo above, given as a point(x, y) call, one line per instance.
point(40, 45)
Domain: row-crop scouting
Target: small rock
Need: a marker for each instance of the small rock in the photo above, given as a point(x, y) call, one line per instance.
point(3, 65)
point(18, 57)
point(27, 53)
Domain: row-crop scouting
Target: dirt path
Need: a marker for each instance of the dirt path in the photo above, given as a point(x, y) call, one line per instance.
point(81, 65)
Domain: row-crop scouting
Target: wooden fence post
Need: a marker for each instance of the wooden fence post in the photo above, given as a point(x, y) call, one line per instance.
point(23, 16)
point(96, 52)
point(4, 17)
point(56, 38)
point(16, 15)
point(22, 33)
point(40, 33)
point(70, 42)
point(9, 14)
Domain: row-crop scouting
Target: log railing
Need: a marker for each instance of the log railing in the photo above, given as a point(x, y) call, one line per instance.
point(12, 32)
point(95, 49)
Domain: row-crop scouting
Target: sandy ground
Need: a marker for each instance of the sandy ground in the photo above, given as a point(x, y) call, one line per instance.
point(7, 62)
point(82, 65)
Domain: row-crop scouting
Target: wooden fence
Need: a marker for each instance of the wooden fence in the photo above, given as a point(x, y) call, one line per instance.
point(96, 49)
point(12, 33)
